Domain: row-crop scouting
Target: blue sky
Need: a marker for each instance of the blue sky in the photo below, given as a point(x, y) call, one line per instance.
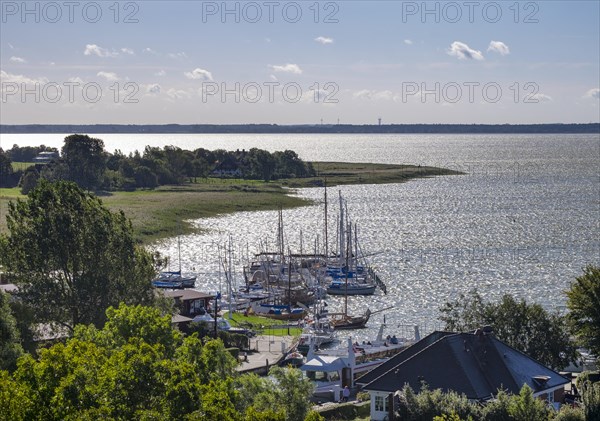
point(356, 61)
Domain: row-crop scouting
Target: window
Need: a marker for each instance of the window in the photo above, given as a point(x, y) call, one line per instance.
point(381, 404)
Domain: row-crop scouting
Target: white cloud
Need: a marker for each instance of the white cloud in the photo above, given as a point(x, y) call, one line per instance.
point(268, 40)
point(463, 51)
point(128, 51)
point(109, 76)
point(12, 78)
point(76, 79)
point(153, 88)
point(150, 51)
point(593, 93)
point(288, 68)
point(12, 47)
point(16, 59)
point(541, 98)
point(199, 74)
point(324, 40)
point(95, 50)
point(499, 47)
point(178, 94)
point(160, 73)
point(408, 42)
point(178, 55)
point(273, 78)
point(374, 95)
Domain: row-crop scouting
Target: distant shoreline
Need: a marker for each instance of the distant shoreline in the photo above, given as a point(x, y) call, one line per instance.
point(551, 128)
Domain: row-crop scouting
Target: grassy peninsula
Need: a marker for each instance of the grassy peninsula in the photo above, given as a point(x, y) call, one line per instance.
point(157, 213)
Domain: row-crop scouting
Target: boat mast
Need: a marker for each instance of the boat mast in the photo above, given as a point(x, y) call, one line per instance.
point(230, 277)
point(342, 229)
point(346, 292)
point(280, 234)
point(179, 251)
point(326, 237)
point(356, 246)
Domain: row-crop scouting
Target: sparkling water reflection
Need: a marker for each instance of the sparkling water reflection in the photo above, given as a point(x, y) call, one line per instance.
point(524, 220)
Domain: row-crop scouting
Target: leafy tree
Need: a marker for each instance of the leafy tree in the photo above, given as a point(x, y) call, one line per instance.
point(10, 347)
point(29, 180)
point(5, 165)
point(85, 159)
point(15, 399)
point(526, 327)
point(138, 367)
point(262, 164)
point(145, 178)
point(590, 396)
point(583, 301)
point(292, 392)
point(72, 258)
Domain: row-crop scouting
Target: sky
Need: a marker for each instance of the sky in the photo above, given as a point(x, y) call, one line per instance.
point(304, 62)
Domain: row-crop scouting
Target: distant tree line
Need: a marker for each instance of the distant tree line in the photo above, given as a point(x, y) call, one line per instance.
point(305, 128)
point(84, 160)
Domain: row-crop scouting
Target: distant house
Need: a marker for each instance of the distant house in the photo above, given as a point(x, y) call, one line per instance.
point(229, 167)
point(45, 157)
point(474, 364)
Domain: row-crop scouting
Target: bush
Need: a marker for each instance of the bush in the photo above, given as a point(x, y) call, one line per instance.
point(569, 413)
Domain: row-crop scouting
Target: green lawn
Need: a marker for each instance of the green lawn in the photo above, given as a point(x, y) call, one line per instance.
point(262, 325)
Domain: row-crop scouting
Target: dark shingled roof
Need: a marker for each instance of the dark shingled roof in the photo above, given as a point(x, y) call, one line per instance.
point(476, 365)
point(401, 357)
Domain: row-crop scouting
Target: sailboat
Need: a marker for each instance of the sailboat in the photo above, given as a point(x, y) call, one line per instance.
point(343, 320)
point(174, 279)
point(348, 277)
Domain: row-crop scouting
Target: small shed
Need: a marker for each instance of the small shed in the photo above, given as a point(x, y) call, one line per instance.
point(191, 302)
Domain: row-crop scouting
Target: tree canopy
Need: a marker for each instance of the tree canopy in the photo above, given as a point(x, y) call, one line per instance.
point(10, 347)
point(583, 302)
point(72, 258)
point(137, 367)
point(85, 159)
point(526, 327)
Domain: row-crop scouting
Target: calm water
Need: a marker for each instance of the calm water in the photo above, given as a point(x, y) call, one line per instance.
point(523, 220)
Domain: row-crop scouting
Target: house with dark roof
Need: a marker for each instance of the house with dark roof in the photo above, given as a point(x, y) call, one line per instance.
point(474, 364)
point(229, 167)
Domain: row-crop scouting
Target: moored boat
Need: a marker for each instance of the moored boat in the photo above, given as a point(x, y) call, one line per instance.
point(275, 311)
point(331, 370)
point(344, 321)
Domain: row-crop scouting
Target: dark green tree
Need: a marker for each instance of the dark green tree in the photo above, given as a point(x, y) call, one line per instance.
point(262, 164)
point(29, 180)
point(145, 178)
point(85, 159)
point(72, 258)
point(5, 165)
point(526, 327)
point(583, 302)
point(10, 346)
point(137, 367)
